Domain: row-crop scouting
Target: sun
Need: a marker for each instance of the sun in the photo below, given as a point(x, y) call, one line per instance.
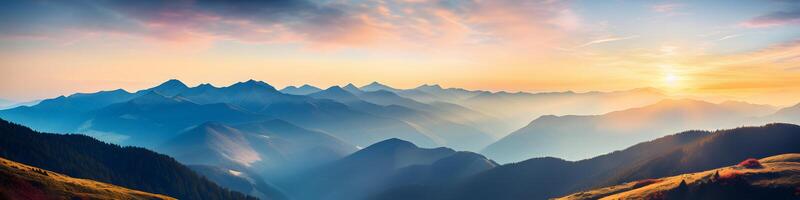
point(671, 79)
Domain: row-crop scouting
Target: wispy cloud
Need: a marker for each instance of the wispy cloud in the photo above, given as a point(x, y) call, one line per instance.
point(729, 37)
point(606, 40)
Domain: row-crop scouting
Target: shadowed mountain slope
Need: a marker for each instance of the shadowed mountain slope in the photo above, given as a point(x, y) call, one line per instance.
point(387, 164)
point(80, 156)
point(271, 147)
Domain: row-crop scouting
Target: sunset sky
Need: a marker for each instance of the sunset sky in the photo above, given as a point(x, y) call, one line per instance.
point(746, 50)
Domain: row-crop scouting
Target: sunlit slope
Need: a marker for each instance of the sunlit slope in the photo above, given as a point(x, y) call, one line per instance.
point(20, 181)
point(776, 177)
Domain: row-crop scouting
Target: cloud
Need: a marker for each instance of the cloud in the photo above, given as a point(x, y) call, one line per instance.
point(729, 37)
point(184, 20)
point(779, 18)
point(347, 23)
point(669, 9)
point(666, 8)
point(797, 68)
point(606, 40)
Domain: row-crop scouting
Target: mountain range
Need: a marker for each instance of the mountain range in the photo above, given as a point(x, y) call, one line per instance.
point(426, 142)
point(429, 115)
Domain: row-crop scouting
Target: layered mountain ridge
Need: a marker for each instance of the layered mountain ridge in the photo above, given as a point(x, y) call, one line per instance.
point(417, 143)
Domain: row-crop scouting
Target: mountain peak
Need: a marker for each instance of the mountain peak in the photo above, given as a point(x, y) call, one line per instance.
point(375, 86)
point(170, 85)
point(302, 90)
point(335, 88)
point(118, 91)
point(172, 82)
point(307, 86)
point(392, 143)
point(169, 88)
point(335, 93)
point(153, 97)
point(375, 83)
point(352, 88)
point(430, 87)
point(253, 84)
point(205, 85)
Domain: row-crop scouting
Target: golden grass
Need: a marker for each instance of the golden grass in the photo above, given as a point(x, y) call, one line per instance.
point(23, 181)
point(787, 166)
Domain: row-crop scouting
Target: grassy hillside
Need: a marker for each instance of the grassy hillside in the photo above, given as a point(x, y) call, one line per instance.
point(776, 177)
point(20, 181)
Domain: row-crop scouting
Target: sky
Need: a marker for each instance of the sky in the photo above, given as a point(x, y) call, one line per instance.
point(742, 50)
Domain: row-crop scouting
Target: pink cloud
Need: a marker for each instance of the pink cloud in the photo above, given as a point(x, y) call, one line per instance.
point(765, 22)
point(780, 18)
point(338, 24)
point(666, 8)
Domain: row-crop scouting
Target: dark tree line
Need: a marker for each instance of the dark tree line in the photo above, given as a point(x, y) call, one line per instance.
point(81, 156)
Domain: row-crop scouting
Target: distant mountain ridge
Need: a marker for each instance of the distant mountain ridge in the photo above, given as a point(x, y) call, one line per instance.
point(302, 90)
point(433, 123)
point(7, 104)
point(107, 114)
point(577, 137)
point(789, 114)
